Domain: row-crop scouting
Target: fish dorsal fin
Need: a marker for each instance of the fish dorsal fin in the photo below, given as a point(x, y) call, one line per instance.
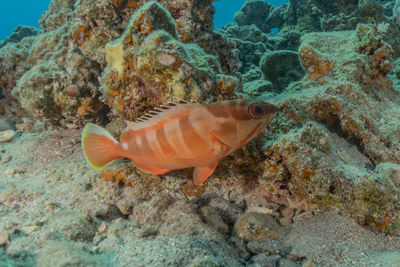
point(157, 117)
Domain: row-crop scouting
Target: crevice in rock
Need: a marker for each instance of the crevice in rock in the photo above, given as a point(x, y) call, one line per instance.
point(335, 127)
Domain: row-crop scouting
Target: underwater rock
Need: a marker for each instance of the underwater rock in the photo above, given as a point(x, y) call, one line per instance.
point(387, 6)
point(6, 124)
point(13, 64)
point(310, 16)
point(257, 226)
point(75, 225)
point(59, 81)
point(253, 74)
point(253, 12)
point(125, 206)
point(268, 247)
point(229, 212)
point(60, 12)
point(20, 33)
point(188, 223)
point(251, 43)
point(259, 204)
point(281, 68)
point(266, 260)
point(61, 87)
point(212, 217)
point(97, 23)
point(258, 87)
point(153, 212)
point(342, 120)
point(371, 9)
point(261, 14)
point(147, 66)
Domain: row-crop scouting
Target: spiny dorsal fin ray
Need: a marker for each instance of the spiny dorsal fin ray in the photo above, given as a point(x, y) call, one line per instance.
point(157, 117)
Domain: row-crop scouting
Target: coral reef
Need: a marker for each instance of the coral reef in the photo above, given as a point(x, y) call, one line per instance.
point(325, 172)
point(262, 14)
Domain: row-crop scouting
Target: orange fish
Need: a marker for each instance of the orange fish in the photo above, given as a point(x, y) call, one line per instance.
point(182, 135)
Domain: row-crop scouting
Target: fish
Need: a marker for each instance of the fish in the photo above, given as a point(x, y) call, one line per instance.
point(181, 135)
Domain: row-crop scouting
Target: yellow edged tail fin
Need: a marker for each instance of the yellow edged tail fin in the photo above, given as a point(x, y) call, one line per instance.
point(99, 147)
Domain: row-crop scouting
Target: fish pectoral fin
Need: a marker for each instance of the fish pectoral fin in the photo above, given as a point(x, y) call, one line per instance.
point(151, 169)
point(200, 174)
point(226, 134)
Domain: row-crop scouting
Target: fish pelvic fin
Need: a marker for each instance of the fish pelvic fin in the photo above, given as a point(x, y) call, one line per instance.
point(200, 174)
point(99, 147)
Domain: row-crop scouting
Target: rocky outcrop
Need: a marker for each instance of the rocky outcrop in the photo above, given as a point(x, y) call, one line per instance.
point(148, 66)
point(343, 128)
point(20, 33)
point(60, 81)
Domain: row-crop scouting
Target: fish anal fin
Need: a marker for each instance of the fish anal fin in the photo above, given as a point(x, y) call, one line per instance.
point(151, 169)
point(200, 174)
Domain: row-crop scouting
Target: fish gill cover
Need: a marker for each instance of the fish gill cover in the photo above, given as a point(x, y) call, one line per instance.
point(332, 68)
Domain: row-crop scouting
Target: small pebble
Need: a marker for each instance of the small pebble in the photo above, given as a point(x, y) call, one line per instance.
point(6, 136)
point(4, 238)
point(125, 207)
point(102, 228)
point(146, 231)
point(285, 221)
point(95, 249)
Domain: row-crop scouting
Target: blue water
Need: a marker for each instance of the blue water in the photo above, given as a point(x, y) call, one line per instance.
point(225, 10)
point(28, 12)
point(22, 12)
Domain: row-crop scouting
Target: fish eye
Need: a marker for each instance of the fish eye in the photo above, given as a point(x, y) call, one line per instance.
point(256, 111)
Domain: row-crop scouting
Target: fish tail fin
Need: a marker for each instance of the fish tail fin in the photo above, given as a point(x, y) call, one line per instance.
point(99, 147)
